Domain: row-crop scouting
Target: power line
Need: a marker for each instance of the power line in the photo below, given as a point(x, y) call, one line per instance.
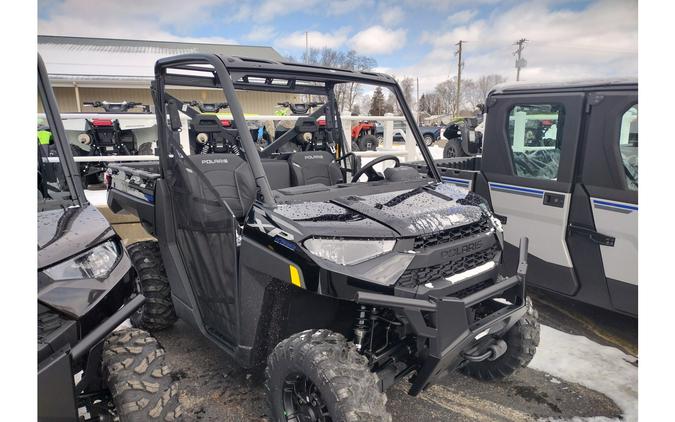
point(520, 62)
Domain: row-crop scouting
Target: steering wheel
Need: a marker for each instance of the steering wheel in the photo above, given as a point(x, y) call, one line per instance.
point(368, 168)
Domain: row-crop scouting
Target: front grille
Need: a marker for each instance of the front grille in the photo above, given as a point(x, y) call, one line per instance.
point(418, 276)
point(452, 235)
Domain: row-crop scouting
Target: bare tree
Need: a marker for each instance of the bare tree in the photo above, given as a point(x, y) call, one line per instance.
point(408, 87)
point(345, 94)
point(485, 83)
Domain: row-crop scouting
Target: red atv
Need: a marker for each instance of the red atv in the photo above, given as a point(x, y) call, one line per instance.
point(363, 136)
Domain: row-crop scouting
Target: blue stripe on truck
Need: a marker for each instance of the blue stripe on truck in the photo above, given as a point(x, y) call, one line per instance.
point(499, 186)
point(453, 180)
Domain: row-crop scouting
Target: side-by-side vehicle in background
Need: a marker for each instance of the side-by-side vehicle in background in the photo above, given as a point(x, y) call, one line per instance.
point(87, 287)
point(340, 280)
point(560, 166)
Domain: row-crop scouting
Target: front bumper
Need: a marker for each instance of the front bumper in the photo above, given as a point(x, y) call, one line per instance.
point(451, 326)
point(57, 395)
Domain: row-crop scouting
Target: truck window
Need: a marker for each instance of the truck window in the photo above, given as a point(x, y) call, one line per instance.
point(535, 138)
point(628, 146)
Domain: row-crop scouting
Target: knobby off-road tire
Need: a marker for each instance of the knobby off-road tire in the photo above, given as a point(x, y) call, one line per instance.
point(347, 388)
point(157, 313)
point(138, 379)
point(368, 143)
point(452, 149)
point(522, 341)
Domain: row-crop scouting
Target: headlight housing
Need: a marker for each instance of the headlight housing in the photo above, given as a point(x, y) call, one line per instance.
point(348, 251)
point(94, 263)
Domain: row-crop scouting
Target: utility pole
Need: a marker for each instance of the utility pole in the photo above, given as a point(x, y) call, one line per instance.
point(460, 64)
point(417, 104)
point(520, 62)
point(306, 47)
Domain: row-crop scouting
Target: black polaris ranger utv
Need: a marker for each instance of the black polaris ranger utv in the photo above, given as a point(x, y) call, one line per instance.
point(341, 287)
point(86, 288)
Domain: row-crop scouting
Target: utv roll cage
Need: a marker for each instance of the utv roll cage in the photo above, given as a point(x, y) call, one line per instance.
point(232, 73)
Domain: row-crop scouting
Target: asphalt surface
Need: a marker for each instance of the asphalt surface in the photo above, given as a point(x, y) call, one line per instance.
point(214, 388)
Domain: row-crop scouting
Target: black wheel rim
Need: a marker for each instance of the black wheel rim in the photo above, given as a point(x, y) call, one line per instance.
point(302, 400)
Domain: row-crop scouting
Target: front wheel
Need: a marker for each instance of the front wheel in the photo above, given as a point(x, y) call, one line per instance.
point(368, 143)
point(521, 340)
point(140, 383)
point(157, 313)
point(316, 375)
point(428, 140)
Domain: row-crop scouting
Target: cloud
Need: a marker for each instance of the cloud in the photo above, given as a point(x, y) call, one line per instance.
point(378, 40)
point(261, 33)
point(341, 7)
point(317, 39)
point(166, 20)
point(462, 16)
point(392, 15)
point(599, 40)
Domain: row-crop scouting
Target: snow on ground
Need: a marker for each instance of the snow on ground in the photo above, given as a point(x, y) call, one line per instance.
point(601, 368)
point(97, 198)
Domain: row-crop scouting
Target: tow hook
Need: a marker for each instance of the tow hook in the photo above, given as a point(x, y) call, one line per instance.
point(494, 352)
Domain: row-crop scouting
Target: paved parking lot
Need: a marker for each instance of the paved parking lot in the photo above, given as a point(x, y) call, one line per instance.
point(215, 389)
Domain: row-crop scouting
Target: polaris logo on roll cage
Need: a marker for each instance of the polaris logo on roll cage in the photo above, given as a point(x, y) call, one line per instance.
point(270, 230)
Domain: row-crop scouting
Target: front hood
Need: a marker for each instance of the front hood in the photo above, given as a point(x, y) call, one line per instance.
point(402, 213)
point(63, 233)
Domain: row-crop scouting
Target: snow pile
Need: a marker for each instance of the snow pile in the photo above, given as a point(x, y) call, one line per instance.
point(600, 368)
point(97, 198)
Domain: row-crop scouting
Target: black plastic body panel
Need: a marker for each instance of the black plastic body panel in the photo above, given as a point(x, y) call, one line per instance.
point(56, 390)
point(141, 208)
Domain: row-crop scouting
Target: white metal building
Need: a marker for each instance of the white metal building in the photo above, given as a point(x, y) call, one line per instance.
point(91, 69)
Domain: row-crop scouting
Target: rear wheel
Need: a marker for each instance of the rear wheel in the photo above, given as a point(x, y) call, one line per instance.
point(157, 313)
point(428, 140)
point(316, 375)
point(139, 381)
point(522, 341)
point(453, 149)
point(368, 143)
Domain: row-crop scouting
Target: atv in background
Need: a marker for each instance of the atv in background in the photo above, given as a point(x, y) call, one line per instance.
point(430, 134)
point(462, 138)
point(105, 137)
point(340, 286)
point(121, 107)
point(214, 133)
point(313, 135)
point(87, 286)
point(364, 136)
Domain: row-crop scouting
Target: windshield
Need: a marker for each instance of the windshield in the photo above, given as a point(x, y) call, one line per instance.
point(53, 191)
point(312, 129)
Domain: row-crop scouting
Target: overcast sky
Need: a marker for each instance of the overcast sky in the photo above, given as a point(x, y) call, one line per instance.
point(567, 39)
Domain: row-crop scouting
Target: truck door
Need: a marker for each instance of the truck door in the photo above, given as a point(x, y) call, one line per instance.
point(528, 160)
point(608, 172)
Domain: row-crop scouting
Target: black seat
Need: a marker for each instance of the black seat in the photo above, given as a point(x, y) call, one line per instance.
point(231, 177)
point(312, 167)
point(278, 174)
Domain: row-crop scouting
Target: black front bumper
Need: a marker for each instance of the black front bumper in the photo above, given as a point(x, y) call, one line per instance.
point(451, 326)
point(57, 396)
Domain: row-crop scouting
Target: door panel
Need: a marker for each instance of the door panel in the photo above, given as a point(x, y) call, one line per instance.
point(620, 221)
point(604, 172)
point(545, 225)
point(528, 160)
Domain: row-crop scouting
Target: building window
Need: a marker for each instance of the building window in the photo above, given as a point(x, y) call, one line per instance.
point(535, 136)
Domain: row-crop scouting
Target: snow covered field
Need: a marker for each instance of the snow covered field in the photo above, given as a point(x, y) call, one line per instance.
point(600, 368)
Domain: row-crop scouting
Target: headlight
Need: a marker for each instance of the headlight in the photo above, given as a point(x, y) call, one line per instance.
point(94, 263)
point(348, 252)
